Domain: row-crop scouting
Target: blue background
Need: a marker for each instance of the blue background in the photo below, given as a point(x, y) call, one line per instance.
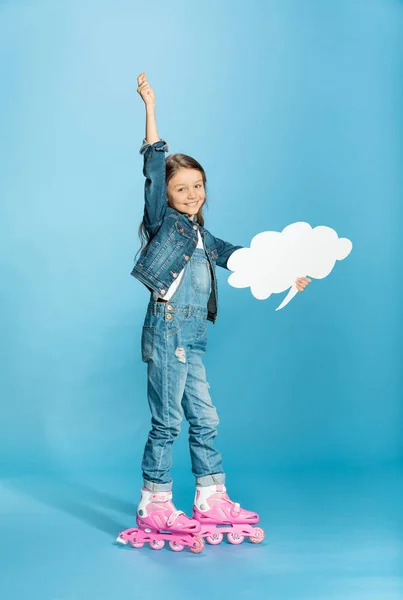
point(294, 110)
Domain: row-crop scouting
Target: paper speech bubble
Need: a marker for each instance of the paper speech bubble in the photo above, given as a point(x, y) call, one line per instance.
point(276, 259)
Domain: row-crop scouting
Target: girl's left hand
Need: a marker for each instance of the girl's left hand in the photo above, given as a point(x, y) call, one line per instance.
point(302, 282)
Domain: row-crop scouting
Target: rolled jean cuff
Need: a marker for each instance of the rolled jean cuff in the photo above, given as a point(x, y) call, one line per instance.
point(160, 145)
point(157, 487)
point(217, 478)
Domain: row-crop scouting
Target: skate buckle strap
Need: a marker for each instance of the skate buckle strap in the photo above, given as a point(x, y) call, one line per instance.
point(161, 496)
point(236, 509)
point(173, 516)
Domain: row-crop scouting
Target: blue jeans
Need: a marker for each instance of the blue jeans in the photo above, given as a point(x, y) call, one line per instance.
point(174, 339)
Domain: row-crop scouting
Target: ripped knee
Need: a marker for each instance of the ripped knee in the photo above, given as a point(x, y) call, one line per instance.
point(180, 354)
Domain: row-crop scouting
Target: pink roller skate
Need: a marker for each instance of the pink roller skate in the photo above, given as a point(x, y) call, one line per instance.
point(159, 521)
point(217, 515)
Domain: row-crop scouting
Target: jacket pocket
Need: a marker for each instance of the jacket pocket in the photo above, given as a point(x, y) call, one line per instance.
point(180, 228)
point(147, 343)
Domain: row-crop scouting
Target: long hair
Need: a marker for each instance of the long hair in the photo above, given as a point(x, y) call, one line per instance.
point(173, 163)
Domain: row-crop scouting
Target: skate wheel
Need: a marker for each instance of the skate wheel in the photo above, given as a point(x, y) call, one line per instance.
point(175, 546)
point(136, 544)
point(215, 539)
point(198, 544)
point(235, 538)
point(157, 544)
point(258, 537)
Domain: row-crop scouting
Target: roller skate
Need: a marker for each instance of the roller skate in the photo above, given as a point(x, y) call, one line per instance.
point(218, 515)
point(158, 521)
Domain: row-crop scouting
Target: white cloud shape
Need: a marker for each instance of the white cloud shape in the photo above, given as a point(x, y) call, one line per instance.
point(276, 259)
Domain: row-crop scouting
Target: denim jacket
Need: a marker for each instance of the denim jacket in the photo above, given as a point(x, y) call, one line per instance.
point(173, 235)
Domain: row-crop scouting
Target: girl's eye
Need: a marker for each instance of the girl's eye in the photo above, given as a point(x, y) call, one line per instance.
point(197, 185)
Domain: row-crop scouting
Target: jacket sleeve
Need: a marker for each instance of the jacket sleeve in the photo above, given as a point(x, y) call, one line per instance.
point(155, 202)
point(224, 251)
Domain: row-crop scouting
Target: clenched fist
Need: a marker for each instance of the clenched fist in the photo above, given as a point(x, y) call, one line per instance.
point(145, 89)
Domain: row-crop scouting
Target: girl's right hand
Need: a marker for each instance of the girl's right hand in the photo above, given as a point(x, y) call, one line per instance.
point(145, 89)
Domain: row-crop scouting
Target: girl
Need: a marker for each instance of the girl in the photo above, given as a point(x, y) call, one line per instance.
point(177, 263)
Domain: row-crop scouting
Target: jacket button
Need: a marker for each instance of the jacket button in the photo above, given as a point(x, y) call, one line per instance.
point(175, 275)
point(162, 292)
point(169, 316)
point(169, 307)
point(194, 226)
point(181, 230)
point(186, 257)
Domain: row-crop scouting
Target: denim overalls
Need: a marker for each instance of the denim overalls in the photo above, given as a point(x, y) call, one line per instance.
point(174, 339)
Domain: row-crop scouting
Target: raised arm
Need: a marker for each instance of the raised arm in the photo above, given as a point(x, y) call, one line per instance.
point(153, 149)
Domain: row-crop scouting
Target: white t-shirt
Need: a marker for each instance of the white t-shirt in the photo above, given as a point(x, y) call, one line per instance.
point(174, 285)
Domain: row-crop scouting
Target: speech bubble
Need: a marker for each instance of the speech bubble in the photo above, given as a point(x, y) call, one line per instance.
point(276, 259)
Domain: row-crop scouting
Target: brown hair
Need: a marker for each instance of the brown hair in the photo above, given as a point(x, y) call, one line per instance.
point(173, 163)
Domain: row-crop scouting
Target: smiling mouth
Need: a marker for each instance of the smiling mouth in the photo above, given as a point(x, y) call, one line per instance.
point(191, 203)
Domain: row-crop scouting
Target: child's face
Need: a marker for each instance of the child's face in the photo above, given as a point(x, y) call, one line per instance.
point(185, 191)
